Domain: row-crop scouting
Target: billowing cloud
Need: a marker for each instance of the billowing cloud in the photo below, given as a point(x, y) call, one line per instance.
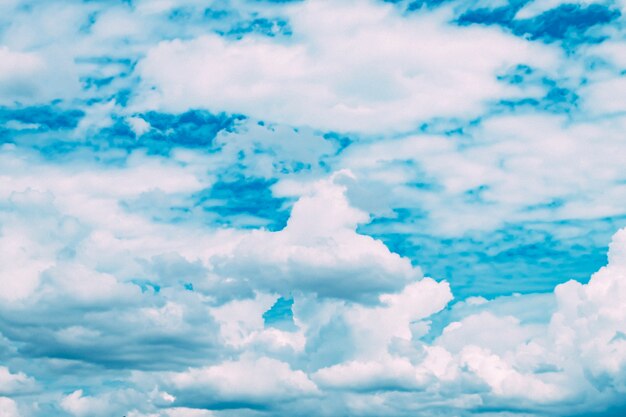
point(296, 208)
point(319, 251)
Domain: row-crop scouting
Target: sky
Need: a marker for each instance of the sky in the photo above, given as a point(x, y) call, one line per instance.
point(294, 208)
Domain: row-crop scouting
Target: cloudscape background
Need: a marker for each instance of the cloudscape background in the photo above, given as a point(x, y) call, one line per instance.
point(220, 208)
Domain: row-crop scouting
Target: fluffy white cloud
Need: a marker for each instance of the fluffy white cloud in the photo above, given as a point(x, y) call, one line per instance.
point(108, 307)
point(590, 323)
point(384, 374)
point(252, 382)
point(573, 359)
point(8, 408)
point(319, 251)
point(504, 380)
point(11, 383)
point(355, 66)
point(374, 328)
point(79, 405)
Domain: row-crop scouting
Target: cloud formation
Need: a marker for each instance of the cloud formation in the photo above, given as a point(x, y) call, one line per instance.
point(348, 66)
point(295, 208)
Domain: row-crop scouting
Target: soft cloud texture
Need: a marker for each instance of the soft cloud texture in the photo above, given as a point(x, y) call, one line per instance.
point(349, 66)
point(296, 208)
point(319, 251)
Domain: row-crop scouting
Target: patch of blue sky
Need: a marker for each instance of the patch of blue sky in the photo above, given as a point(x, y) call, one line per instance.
point(244, 202)
point(41, 118)
point(224, 19)
point(192, 130)
point(236, 202)
point(259, 25)
point(556, 100)
point(502, 15)
point(612, 411)
point(106, 77)
point(147, 286)
point(419, 4)
point(455, 127)
point(280, 315)
point(195, 128)
point(569, 23)
point(342, 140)
point(519, 258)
point(559, 96)
point(195, 400)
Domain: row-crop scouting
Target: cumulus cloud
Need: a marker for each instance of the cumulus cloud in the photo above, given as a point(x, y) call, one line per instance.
point(226, 207)
point(319, 251)
point(572, 360)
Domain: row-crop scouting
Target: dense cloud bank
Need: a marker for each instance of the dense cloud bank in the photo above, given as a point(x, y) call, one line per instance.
point(296, 208)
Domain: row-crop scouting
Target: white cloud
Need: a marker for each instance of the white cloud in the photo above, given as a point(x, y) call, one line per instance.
point(590, 323)
point(512, 164)
point(485, 330)
point(375, 328)
point(240, 320)
point(138, 125)
point(572, 360)
point(114, 402)
point(107, 310)
point(602, 97)
point(504, 380)
point(349, 66)
point(187, 412)
point(18, 70)
point(83, 285)
point(11, 383)
point(19, 277)
point(8, 408)
point(319, 251)
point(255, 381)
point(384, 374)
point(80, 405)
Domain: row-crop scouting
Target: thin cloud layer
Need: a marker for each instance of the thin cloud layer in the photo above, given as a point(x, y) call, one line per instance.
point(295, 208)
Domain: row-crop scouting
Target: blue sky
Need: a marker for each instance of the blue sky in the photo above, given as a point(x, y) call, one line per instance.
point(215, 208)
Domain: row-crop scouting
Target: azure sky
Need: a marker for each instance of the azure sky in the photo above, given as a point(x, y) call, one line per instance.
point(294, 208)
